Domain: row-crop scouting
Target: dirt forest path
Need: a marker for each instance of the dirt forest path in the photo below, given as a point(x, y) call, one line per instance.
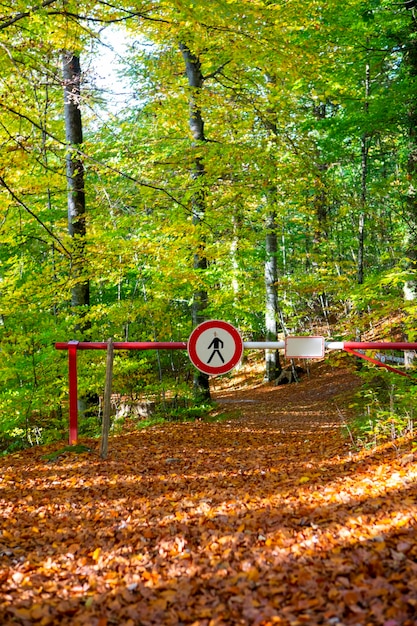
point(265, 518)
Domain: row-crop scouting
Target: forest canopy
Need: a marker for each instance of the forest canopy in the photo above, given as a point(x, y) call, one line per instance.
point(255, 162)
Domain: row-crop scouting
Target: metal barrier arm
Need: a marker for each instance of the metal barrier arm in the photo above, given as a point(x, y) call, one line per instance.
point(73, 347)
point(378, 363)
point(125, 345)
point(380, 345)
point(352, 347)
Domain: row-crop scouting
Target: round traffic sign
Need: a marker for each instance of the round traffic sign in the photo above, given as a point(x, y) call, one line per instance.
point(215, 347)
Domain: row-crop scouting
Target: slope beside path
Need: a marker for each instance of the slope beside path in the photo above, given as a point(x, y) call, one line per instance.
point(265, 518)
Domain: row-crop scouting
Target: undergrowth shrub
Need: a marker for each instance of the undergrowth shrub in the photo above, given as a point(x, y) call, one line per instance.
point(28, 419)
point(384, 407)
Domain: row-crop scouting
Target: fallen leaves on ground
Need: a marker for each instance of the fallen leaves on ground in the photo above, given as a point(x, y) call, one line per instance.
point(268, 518)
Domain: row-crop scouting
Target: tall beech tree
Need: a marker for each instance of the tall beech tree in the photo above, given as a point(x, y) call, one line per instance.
point(272, 361)
point(196, 123)
point(410, 58)
point(80, 293)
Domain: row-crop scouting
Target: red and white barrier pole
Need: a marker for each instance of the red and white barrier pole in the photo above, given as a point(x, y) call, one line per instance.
point(125, 345)
point(379, 345)
point(73, 346)
point(73, 392)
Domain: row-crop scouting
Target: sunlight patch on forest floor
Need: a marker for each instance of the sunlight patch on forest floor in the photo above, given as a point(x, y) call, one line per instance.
point(267, 518)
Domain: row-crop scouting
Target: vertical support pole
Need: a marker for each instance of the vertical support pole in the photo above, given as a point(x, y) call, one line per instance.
point(73, 392)
point(107, 401)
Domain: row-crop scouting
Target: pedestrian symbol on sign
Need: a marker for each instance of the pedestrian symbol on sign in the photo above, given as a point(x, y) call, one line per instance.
point(217, 345)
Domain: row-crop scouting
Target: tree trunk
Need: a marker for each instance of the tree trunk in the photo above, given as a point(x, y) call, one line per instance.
point(272, 309)
point(80, 294)
point(410, 287)
point(196, 125)
point(272, 362)
point(364, 187)
point(321, 212)
point(320, 200)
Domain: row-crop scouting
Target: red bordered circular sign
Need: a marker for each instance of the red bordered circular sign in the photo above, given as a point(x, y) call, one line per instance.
point(215, 347)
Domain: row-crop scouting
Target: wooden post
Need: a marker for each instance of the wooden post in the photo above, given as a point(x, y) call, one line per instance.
point(105, 427)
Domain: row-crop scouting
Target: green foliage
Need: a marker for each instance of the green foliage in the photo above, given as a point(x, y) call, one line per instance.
point(192, 411)
point(384, 408)
point(287, 117)
point(189, 411)
point(75, 449)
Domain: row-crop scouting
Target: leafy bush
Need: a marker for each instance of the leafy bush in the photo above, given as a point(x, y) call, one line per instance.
point(384, 408)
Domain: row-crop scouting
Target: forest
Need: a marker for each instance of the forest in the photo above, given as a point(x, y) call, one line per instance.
point(247, 160)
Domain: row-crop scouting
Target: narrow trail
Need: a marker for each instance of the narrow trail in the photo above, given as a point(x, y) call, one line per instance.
point(310, 407)
point(265, 518)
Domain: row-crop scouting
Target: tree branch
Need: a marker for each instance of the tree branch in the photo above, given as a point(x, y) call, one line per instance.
point(9, 21)
point(218, 71)
point(19, 16)
point(96, 161)
point(24, 206)
point(100, 20)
